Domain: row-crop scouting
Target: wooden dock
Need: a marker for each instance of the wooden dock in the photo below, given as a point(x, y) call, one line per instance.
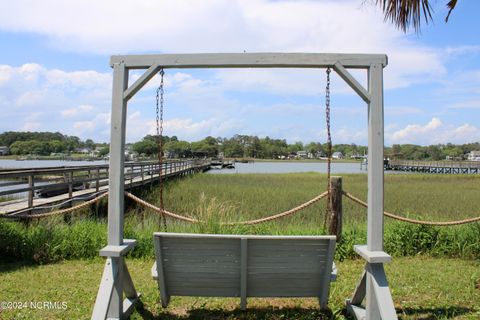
point(441, 167)
point(43, 189)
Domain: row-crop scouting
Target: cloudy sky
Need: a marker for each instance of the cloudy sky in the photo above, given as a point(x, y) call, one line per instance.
point(55, 73)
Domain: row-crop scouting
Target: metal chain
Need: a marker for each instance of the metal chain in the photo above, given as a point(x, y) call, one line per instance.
point(159, 123)
point(329, 150)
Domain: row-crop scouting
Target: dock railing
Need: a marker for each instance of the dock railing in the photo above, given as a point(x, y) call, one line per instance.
point(68, 183)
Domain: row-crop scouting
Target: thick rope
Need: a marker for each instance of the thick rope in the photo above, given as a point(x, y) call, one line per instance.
point(159, 210)
point(403, 219)
point(53, 213)
point(248, 222)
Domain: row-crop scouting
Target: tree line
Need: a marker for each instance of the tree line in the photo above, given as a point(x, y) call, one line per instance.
point(43, 143)
point(238, 146)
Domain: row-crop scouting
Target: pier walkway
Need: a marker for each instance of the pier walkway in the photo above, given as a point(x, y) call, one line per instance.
point(42, 189)
point(445, 167)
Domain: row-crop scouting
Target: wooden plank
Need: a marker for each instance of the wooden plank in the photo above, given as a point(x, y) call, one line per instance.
point(193, 282)
point(184, 236)
point(352, 82)
point(204, 292)
point(325, 285)
point(118, 251)
point(360, 289)
point(164, 294)
point(243, 273)
point(372, 256)
point(137, 85)
point(357, 312)
point(375, 159)
point(382, 292)
point(266, 272)
point(117, 155)
point(104, 291)
point(249, 60)
point(375, 176)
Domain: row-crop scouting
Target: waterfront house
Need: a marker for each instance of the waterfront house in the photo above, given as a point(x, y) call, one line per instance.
point(337, 155)
point(474, 156)
point(4, 150)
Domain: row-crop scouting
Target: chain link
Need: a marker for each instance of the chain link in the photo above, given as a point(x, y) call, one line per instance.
point(329, 150)
point(159, 125)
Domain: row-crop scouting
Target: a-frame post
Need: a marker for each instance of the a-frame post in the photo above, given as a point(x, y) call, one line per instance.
point(109, 303)
point(373, 285)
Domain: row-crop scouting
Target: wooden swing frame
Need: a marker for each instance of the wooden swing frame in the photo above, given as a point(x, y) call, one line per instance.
point(373, 285)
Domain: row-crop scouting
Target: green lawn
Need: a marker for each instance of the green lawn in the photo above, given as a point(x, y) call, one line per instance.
point(422, 288)
point(426, 284)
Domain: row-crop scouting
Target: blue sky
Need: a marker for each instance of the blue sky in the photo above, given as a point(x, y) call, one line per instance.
point(55, 74)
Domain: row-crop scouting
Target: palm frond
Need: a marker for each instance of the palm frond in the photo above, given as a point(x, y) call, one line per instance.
point(406, 13)
point(450, 5)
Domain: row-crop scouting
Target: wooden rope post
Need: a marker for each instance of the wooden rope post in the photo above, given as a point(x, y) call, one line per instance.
point(335, 227)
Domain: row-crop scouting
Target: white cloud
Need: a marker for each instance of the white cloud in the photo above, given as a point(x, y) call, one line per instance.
point(30, 126)
point(99, 123)
point(81, 109)
point(224, 26)
point(32, 89)
point(435, 132)
point(188, 129)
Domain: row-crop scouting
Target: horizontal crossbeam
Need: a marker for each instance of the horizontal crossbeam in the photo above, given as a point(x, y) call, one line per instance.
point(250, 60)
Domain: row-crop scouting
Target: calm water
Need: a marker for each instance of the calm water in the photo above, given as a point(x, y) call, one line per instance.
point(289, 167)
point(13, 164)
point(251, 167)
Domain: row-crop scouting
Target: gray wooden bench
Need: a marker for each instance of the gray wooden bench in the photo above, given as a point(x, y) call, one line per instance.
point(243, 266)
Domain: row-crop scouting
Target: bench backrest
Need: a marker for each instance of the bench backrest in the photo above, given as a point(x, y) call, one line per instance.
point(244, 266)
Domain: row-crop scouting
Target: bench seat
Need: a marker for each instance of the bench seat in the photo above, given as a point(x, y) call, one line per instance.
point(243, 266)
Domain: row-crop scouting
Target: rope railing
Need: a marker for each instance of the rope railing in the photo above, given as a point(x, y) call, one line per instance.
point(248, 222)
point(56, 212)
point(404, 219)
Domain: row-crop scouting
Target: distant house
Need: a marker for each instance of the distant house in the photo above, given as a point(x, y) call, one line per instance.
point(474, 156)
point(357, 156)
point(337, 155)
point(302, 154)
point(82, 150)
point(4, 150)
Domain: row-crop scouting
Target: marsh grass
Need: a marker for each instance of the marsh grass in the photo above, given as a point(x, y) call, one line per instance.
point(215, 199)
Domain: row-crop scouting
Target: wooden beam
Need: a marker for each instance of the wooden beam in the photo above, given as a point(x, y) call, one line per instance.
point(162, 285)
point(372, 256)
point(105, 291)
point(352, 82)
point(327, 274)
point(117, 156)
point(250, 60)
point(382, 291)
point(359, 293)
point(243, 273)
point(375, 160)
point(137, 85)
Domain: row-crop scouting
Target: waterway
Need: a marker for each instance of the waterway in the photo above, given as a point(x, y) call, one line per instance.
point(251, 167)
point(17, 164)
point(291, 167)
